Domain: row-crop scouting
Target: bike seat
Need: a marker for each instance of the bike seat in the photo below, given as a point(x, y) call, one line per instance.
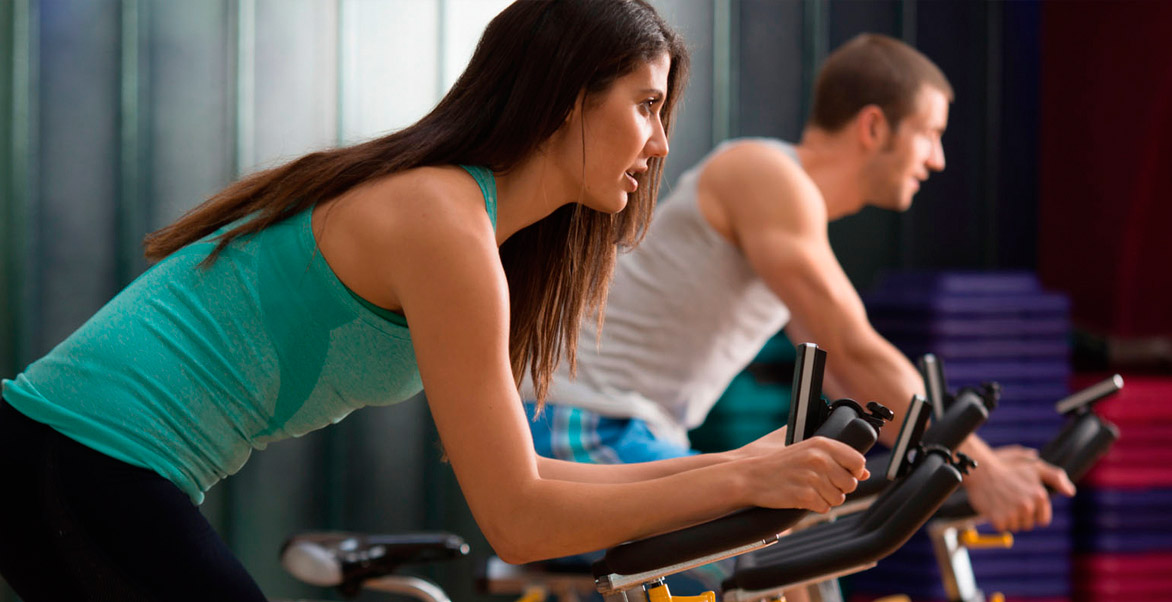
point(345, 560)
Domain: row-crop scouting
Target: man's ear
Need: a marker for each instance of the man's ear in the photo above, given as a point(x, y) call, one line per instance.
point(871, 127)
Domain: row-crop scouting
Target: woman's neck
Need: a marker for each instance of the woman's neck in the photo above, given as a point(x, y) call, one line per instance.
point(529, 192)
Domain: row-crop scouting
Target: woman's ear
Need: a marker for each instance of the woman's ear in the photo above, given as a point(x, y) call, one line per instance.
point(572, 126)
point(579, 106)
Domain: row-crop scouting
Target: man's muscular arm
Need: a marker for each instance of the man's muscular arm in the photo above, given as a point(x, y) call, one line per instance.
point(764, 203)
point(775, 215)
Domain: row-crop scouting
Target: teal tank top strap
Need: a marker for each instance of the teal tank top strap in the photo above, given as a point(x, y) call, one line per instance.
point(484, 179)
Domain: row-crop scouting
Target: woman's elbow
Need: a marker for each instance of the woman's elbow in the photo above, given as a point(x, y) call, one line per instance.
point(513, 547)
point(516, 541)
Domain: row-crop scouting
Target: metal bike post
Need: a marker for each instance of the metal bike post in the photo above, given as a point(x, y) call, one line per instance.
point(956, 568)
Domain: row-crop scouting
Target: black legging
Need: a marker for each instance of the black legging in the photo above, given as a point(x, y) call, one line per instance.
point(76, 524)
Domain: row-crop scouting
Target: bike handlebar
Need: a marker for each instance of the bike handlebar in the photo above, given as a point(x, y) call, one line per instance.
point(734, 530)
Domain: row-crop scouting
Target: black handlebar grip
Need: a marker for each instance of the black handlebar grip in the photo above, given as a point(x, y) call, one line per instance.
point(1077, 431)
point(1093, 445)
point(859, 434)
point(849, 423)
point(965, 415)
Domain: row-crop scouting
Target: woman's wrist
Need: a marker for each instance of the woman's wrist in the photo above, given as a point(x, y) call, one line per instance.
point(739, 471)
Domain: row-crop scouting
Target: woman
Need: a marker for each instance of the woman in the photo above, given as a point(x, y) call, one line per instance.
point(355, 277)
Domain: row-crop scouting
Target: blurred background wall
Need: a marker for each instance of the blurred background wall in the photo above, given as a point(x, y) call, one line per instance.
point(118, 115)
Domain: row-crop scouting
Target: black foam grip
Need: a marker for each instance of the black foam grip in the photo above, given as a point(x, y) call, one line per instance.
point(965, 415)
point(1092, 448)
point(961, 419)
point(1076, 434)
point(836, 422)
point(859, 434)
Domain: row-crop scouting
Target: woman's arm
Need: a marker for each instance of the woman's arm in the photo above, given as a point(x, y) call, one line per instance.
point(446, 272)
point(581, 472)
point(642, 471)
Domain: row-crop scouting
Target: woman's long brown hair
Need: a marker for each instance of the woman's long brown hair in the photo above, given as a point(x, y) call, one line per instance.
point(529, 68)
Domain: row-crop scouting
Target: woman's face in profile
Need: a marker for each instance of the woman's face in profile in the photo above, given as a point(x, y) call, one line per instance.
point(610, 136)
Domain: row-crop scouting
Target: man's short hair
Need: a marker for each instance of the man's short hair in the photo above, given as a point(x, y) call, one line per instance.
point(872, 69)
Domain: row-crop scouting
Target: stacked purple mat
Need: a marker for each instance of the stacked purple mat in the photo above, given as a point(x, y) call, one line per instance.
point(985, 326)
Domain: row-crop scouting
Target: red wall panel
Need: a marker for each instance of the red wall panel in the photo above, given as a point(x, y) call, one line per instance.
point(1105, 214)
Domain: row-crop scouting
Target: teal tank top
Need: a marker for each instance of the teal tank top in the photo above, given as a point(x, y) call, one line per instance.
point(187, 370)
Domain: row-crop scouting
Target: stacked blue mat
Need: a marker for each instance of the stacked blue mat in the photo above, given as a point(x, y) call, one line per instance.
point(985, 326)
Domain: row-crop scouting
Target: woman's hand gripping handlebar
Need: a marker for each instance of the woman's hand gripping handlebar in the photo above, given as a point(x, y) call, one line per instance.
point(818, 473)
point(808, 461)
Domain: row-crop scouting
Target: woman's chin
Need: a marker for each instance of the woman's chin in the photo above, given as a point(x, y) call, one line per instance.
point(613, 205)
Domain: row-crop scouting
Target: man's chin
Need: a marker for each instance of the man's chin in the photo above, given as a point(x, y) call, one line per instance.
point(903, 202)
point(897, 204)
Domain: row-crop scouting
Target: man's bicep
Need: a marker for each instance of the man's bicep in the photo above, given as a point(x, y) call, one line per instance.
point(806, 276)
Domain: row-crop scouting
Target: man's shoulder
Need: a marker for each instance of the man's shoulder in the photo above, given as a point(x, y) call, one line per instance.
point(752, 161)
point(763, 148)
point(760, 172)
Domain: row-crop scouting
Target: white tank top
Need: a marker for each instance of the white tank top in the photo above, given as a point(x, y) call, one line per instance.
point(686, 313)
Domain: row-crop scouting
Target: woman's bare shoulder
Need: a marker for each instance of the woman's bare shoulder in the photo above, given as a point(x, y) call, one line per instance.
point(443, 197)
point(417, 206)
point(376, 235)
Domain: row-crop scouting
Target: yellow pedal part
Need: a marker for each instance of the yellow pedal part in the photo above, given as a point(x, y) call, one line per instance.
point(997, 597)
point(534, 594)
point(899, 598)
point(660, 593)
point(973, 539)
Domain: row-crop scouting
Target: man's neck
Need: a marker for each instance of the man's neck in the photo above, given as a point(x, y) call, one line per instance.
point(835, 166)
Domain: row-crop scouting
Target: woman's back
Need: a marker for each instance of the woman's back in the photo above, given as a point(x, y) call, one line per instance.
point(204, 365)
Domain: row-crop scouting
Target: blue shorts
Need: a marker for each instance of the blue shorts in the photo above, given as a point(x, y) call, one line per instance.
point(577, 435)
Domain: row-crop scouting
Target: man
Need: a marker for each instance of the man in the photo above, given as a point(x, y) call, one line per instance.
point(740, 249)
